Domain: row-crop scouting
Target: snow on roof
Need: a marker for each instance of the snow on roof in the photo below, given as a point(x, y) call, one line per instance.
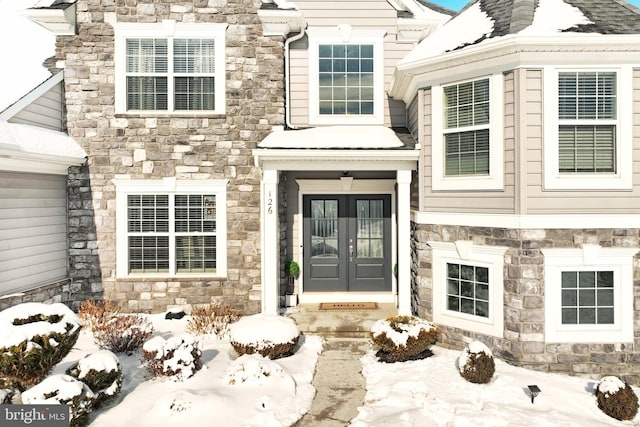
point(35, 140)
point(554, 16)
point(471, 25)
point(25, 70)
point(333, 137)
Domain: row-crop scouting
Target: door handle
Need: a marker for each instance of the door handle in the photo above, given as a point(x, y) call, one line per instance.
point(350, 252)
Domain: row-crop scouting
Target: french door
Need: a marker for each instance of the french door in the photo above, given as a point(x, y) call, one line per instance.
point(347, 243)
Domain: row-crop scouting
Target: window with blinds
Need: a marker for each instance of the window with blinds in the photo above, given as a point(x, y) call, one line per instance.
point(587, 122)
point(170, 233)
point(170, 74)
point(466, 128)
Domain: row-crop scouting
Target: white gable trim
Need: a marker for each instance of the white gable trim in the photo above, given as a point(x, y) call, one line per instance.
point(30, 97)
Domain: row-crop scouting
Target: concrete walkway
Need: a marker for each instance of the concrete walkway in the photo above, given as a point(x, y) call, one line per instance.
point(338, 380)
point(339, 383)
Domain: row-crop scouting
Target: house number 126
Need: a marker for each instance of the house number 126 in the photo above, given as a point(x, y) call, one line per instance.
point(269, 204)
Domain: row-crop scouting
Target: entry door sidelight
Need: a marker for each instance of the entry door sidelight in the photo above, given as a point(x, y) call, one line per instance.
point(347, 243)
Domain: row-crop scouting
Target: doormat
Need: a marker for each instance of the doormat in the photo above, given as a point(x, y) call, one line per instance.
point(348, 305)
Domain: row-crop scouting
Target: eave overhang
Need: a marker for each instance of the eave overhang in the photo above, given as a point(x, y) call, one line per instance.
point(336, 160)
point(60, 20)
point(279, 22)
point(511, 52)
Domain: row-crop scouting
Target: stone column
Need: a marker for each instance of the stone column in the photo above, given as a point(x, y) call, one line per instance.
point(404, 242)
point(270, 243)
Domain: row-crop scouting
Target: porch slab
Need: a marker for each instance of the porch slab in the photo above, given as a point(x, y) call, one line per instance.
point(311, 320)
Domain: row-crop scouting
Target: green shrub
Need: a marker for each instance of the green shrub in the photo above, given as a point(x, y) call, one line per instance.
point(476, 363)
point(34, 338)
point(271, 336)
point(63, 390)
point(100, 371)
point(403, 338)
point(616, 398)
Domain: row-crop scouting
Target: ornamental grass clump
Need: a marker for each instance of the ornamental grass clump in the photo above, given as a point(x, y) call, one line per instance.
point(271, 336)
point(34, 337)
point(178, 358)
point(476, 363)
point(100, 371)
point(212, 319)
point(616, 398)
point(403, 338)
point(63, 390)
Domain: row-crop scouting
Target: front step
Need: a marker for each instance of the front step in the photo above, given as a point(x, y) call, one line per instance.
point(338, 323)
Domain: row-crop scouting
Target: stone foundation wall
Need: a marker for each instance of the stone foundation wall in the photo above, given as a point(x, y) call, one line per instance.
point(187, 147)
point(523, 341)
point(49, 294)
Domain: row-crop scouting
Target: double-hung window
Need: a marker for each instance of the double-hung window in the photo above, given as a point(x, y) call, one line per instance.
point(588, 294)
point(346, 76)
point(169, 228)
point(467, 147)
point(170, 67)
point(468, 286)
point(587, 141)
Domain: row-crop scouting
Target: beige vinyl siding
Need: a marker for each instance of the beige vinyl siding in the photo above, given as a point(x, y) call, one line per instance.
point(540, 201)
point(376, 14)
point(502, 201)
point(33, 230)
point(46, 111)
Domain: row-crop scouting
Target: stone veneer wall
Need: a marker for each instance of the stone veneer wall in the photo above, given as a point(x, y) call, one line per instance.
point(185, 147)
point(49, 294)
point(523, 343)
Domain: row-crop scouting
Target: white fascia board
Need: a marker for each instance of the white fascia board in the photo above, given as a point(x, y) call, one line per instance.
point(538, 221)
point(510, 52)
point(26, 162)
point(325, 160)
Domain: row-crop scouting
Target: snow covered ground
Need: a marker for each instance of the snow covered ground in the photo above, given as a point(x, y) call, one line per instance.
point(423, 393)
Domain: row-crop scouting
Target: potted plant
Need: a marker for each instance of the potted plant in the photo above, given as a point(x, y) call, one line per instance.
point(292, 270)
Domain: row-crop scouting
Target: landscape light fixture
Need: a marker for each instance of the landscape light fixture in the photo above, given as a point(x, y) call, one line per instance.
point(534, 390)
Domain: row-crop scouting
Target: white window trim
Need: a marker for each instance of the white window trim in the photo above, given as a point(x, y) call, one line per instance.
point(495, 179)
point(590, 258)
point(344, 34)
point(169, 29)
point(622, 179)
point(465, 252)
point(170, 186)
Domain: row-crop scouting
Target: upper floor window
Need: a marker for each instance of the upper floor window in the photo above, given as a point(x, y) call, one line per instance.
point(171, 228)
point(587, 122)
point(346, 76)
point(586, 144)
point(170, 67)
point(466, 133)
point(467, 147)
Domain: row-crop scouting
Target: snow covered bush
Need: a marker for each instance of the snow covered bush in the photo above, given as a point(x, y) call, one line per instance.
point(476, 363)
point(616, 398)
point(123, 333)
point(178, 357)
point(212, 319)
point(102, 373)
point(34, 337)
point(269, 335)
point(9, 396)
point(63, 390)
point(402, 338)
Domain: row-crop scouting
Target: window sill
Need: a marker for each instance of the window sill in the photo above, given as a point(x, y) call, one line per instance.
point(161, 114)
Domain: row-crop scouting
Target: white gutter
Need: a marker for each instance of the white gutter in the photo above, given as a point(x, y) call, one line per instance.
point(286, 76)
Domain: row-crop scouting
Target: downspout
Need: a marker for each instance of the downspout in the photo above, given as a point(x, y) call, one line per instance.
point(287, 101)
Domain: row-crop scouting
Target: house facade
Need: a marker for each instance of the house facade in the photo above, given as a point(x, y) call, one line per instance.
point(476, 170)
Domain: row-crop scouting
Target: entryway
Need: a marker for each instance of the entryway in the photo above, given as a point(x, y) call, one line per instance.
point(347, 243)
